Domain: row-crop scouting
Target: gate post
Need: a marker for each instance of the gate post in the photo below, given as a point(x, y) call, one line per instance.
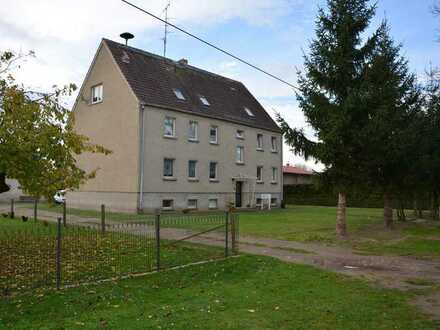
point(227, 234)
point(58, 255)
point(157, 230)
point(35, 208)
point(64, 214)
point(233, 237)
point(102, 218)
point(12, 213)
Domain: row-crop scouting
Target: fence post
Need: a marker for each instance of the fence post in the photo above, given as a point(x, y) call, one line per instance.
point(35, 208)
point(227, 234)
point(233, 238)
point(58, 255)
point(64, 214)
point(12, 213)
point(157, 227)
point(103, 218)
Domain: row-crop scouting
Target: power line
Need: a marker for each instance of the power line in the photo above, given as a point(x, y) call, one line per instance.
point(211, 45)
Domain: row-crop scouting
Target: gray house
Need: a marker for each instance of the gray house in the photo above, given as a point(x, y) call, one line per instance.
point(182, 137)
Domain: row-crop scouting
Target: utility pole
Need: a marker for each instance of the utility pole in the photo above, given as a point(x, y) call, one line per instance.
point(166, 31)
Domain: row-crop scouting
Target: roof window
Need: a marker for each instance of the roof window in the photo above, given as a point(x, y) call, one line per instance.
point(179, 94)
point(249, 112)
point(204, 100)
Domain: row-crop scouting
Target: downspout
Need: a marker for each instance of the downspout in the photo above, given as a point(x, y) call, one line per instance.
point(141, 157)
point(281, 174)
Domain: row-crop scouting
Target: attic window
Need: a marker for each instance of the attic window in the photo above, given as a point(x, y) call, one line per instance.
point(249, 112)
point(179, 94)
point(204, 100)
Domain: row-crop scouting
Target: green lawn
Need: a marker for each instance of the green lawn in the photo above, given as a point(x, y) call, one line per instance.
point(240, 293)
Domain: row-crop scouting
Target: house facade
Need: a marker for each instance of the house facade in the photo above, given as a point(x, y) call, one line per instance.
point(181, 137)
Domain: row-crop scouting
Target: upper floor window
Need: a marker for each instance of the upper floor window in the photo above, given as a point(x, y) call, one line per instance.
point(249, 112)
point(169, 127)
point(168, 167)
point(204, 100)
point(239, 158)
point(260, 142)
point(179, 94)
point(274, 144)
point(193, 131)
point(239, 134)
point(213, 171)
point(192, 169)
point(97, 93)
point(259, 173)
point(213, 134)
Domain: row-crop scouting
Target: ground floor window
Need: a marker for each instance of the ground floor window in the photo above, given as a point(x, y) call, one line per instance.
point(167, 204)
point(273, 201)
point(192, 203)
point(213, 204)
point(259, 200)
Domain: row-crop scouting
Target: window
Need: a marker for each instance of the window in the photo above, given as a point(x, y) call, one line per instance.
point(274, 144)
point(213, 135)
point(258, 201)
point(273, 201)
point(260, 143)
point(249, 112)
point(167, 204)
point(259, 173)
point(192, 169)
point(168, 167)
point(192, 203)
point(97, 93)
point(179, 94)
point(204, 100)
point(213, 171)
point(193, 131)
point(240, 134)
point(239, 158)
point(169, 127)
point(212, 203)
point(274, 174)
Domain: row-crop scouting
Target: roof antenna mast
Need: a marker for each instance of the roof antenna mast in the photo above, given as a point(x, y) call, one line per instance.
point(166, 31)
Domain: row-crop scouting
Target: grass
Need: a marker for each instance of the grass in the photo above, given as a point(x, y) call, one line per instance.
point(241, 293)
point(28, 254)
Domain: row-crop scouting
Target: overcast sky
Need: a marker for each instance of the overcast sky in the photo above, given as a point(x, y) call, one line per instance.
point(270, 33)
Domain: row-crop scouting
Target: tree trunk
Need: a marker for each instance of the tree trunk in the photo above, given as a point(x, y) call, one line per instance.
point(435, 206)
point(341, 219)
point(387, 211)
point(401, 216)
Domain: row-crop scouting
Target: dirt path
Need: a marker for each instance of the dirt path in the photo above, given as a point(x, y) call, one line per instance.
point(395, 272)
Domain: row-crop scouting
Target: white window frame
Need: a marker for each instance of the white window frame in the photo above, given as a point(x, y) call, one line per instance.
point(195, 169)
point(274, 174)
point(194, 207)
point(173, 120)
point(216, 171)
point(172, 168)
point(260, 146)
point(171, 207)
point(178, 93)
point(239, 155)
point(274, 143)
point(194, 138)
point(213, 127)
point(204, 101)
point(260, 169)
point(213, 200)
point(249, 112)
point(239, 134)
point(93, 89)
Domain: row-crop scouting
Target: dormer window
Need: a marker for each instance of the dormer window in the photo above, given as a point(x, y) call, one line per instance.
point(249, 112)
point(97, 92)
point(204, 101)
point(179, 94)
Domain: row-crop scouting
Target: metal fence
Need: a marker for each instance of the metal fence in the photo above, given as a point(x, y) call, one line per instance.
point(41, 253)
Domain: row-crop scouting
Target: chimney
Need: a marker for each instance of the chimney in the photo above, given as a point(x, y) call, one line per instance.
point(183, 61)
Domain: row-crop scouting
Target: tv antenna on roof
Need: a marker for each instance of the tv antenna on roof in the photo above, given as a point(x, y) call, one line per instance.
point(127, 36)
point(166, 31)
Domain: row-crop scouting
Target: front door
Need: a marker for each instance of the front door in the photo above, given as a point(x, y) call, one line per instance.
point(238, 193)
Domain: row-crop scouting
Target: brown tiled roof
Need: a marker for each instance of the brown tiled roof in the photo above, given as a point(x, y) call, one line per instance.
point(153, 78)
point(295, 170)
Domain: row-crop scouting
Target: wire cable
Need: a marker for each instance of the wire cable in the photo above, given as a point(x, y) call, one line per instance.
point(212, 45)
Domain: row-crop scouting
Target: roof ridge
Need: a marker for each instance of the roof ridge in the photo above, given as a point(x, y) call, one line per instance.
point(171, 61)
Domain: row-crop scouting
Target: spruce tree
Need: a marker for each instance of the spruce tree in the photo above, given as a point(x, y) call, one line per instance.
point(331, 95)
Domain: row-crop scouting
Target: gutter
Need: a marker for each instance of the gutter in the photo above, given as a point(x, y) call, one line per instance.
point(141, 157)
